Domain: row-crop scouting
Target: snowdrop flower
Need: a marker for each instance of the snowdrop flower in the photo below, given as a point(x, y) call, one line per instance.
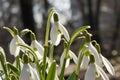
point(105, 62)
point(108, 65)
point(57, 31)
point(91, 72)
point(14, 49)
point(94, 52)
point(85, 62)
point(71, 54)
point(39, 50)
point(28, 73)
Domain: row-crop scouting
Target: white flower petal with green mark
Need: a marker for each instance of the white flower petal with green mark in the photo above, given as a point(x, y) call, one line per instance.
point(39, 48)
point(90, 73)
point(36, 44)
point(108, 65)
point(101, 72)
point(14, 49)
point(55, 36)
point(73, 56)
point(64, 31)
point(95, 53)
point(28, 73)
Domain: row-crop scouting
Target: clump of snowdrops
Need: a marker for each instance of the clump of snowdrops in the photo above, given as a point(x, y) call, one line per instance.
point(36, 62)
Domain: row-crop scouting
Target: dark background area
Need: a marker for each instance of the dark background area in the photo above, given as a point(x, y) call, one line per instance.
point(102, 15)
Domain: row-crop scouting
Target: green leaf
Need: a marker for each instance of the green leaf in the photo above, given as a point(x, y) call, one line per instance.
point(24, 32)
point(13, 69)
point(12, 77)
point(9, 30)
point(77, 32)
point(73, 76)
point(52, 71)
point(3, 61)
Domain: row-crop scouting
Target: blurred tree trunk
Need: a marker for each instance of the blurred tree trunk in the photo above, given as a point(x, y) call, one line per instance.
point(93, 16)
point(117, 25)
point(27, 16)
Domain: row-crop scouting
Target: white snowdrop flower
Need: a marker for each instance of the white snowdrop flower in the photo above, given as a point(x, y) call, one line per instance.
point(108, 65)
point(14, 49)
point(39, 50)
point(71, 54)
point(28, 73)
point(91, 72)
point(57, 31)
point(85, 62)
point(94, 52)
point(101, 72)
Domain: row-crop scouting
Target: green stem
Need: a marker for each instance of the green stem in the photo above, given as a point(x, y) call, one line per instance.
point(51, 51)
point(80, 57)
point(63, 70)
point(18, 62)
point(52, 11)
point(44, 60)
point(64, 63)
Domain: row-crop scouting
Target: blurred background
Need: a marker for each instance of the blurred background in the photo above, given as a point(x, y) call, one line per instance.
point(102, 15)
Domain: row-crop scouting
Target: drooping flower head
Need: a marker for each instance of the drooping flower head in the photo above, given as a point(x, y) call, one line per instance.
point(57, 31)
point(28, 73)
point(71, 55)
point(37, 47)
point(93, 69)
point(14, 49)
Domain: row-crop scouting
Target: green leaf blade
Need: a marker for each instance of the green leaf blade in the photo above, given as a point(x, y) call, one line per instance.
point(13, 69)
point(73, 76)
point(52, 71)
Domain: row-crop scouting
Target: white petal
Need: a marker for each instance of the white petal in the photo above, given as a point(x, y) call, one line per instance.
point(40, 57)
point(62, 59)
point(101, 72)
point(64, 31)
point(90, 73)
point(20, 40)
point(28, 73)
point(108, 65)
point(72, 55)
point(1, 66)
point(67, 63)
point(55, 36)
point(36, 44)
point(85, 61)
point(94, 53)
point(14, 50)
point(24, 73)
